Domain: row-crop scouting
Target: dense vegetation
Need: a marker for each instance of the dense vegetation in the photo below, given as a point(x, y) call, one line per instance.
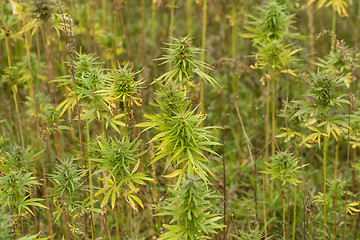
point(179, 119)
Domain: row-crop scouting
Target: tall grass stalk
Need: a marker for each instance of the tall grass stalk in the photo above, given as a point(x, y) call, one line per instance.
point(294, 213)
point(351, 102)
point(333, 29)
point(91, 192)
point(189, 16)
point(203, 46)
point(14, 91)
point(282, 193)
point(325, 148)
point(310, 15)
point(37, 123)
point(46, 34)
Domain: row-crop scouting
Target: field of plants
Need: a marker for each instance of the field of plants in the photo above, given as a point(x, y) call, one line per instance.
point(179, 119)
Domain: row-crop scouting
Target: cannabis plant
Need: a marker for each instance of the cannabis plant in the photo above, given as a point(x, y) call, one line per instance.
point(68, 184)
point(14, 77)
point(181, 136)
point(43, 11)
point(51, 116)
point(184, 62)
point(252, 234)
point(189, 208)
point(274, 54)
point(274, 22)
point(120, 86)
point(283, 166)
point(326, 98)
point(89, 80)
point(15, 192)
point(19, 158)
point(121, 91)
point(335, 196)
point(325, 120)
point(120, 160)
point(5, 225)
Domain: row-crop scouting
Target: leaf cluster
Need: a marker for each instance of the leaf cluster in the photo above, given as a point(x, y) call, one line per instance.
point(119, 159)
point(183, 140)
point(184, 62)
point(283, 166)
point(268, 33)
point(273, 22)
point(189, 208)
point(68, 182)
point(18, 158)
point(120, 86)
point(15, 190)
point(252, 234)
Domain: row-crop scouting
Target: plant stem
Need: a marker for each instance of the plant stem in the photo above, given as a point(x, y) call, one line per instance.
point(14, 90)
point(189, 16)
point(282, 192)
point(203, 45)
point(171, 26)
point(264, 204)
point(325, 147)
point(273, 113)
point(333, 29)
point(37, 124)
point(294, 215)
point(126, 121)
point(125, 33)
point(265, 178)
point(336, 159)
point(117, 225)
point(224, 178)
point(67, 228)
point(90, 183)
point(336, 215)
point(49, 64)
point(8, 52)
point(310, 15)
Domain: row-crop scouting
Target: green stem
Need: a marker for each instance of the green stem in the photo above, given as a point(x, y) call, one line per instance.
point(14, 90)
point(336, 215)
point(326, 139)
point(105, 185)
point(234, 37)
point(203, 44)
point(283, 212)
point(126, 121)
point(336, 159)
point(8, 52)
point(273, 114)
point(32, 89)
point(90, 182)
point(333, 29)
point(265, 178)
point(171, 26)
point(273, 123)
point(189, 16)
point(294, 215)
point(73, 223)
point(117, 225)
point(264, 204)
